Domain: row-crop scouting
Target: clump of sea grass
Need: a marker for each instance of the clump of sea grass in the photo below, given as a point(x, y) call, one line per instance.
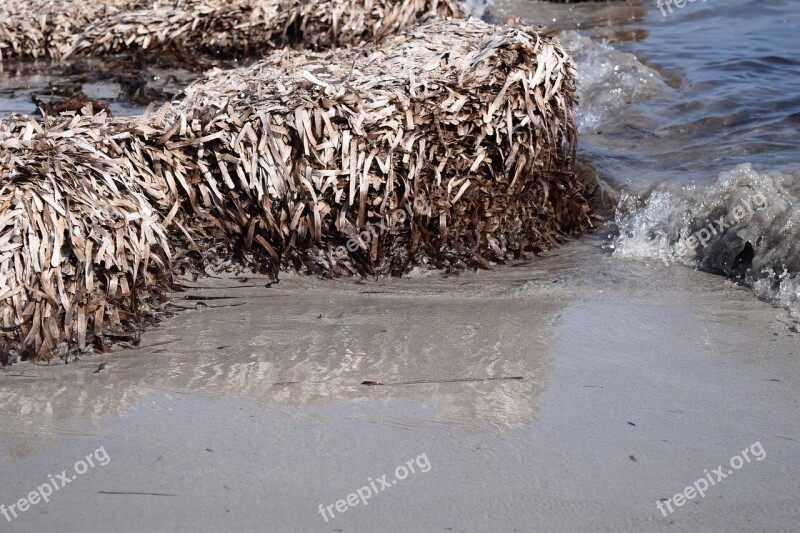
point(83, 253)
point(233, 28)
point(75, 103)
point(225, 28)
point(452, 145)
point(45, 29)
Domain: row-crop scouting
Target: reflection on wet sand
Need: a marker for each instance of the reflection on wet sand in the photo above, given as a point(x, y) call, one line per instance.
point(309, 342)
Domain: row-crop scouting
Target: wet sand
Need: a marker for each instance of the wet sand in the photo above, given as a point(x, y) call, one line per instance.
point(247, 412)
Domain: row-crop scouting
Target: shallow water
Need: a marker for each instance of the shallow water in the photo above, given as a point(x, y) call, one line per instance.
point(98, 79)
point(692, 114)
point(686, 96)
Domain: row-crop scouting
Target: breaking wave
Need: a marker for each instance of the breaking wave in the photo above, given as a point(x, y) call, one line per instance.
point(744, 225)
point(609, 80)
point(662, 142)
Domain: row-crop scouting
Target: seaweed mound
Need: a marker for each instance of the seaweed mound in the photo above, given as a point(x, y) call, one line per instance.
point(450, 146)
point(222, 28)
point(81, 245)
point(237, 28)
point(45, 29)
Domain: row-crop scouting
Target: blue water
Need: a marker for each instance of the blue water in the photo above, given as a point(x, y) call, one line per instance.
point(738, 82)
point(725, 89)
point(689, 116)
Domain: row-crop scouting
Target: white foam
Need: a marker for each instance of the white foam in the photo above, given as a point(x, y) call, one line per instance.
point(609, 80)
point(476, 8)
point(711, 227)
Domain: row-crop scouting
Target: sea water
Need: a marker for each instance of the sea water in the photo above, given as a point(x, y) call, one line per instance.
point(693, 115)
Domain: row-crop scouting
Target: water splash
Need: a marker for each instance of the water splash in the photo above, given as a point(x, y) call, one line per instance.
point(476, 8)
point(744, 225)
point(609, 81)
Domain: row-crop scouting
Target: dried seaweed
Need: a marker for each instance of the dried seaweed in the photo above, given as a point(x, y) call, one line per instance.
point(76, 102)
point(452, 146)
point(249, 27)
point(224, 28)
point(449, 146)
point(82, 251)
point(46, 29)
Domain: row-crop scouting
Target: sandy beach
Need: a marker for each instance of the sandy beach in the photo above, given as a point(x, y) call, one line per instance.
point(247, 412)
